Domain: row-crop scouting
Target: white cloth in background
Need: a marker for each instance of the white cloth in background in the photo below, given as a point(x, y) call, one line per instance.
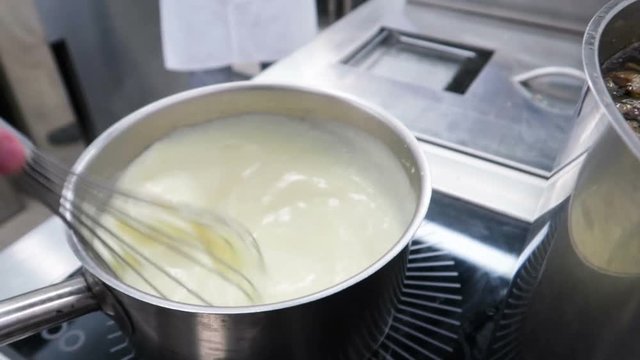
point(206, 34)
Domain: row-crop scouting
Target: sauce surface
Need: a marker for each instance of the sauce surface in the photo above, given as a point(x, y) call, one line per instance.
point(323, 202)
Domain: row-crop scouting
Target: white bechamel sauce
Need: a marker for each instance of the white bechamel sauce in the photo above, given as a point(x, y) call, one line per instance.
point(323, 200)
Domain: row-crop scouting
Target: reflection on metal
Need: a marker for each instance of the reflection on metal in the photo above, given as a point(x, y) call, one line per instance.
point(464, 247)
point(506, 340)
point(427, 317)
point(553, 88)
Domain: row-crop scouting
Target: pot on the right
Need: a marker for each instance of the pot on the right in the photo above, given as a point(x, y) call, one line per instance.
point(582, 283)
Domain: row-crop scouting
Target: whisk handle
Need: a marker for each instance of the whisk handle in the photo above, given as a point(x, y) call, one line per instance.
point(27, 314)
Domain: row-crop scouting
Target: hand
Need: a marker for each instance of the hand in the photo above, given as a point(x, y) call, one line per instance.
point(13, 156)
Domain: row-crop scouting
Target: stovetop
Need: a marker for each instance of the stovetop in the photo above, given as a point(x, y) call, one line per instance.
point(93, 336)
point(460, 265)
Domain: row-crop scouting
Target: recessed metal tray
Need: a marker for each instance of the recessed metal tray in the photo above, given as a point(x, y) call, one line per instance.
point(419, 60)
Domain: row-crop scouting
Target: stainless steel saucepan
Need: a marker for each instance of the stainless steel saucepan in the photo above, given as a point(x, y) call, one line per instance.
point(344, 321)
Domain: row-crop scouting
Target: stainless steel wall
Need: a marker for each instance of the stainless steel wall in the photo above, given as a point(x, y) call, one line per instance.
point(569, 14)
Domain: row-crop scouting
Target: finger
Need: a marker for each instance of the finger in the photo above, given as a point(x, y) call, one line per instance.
point(13, 156)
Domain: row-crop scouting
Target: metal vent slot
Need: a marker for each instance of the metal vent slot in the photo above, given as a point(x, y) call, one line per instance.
point(426, 321)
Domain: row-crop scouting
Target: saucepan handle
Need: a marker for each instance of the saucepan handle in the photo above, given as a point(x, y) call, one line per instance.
point(27, 314)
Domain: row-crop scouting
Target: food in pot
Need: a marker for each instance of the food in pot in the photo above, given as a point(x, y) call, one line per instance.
point(323, 200)
point(622, 78)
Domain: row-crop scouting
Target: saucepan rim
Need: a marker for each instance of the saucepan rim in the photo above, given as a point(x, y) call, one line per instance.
point(420, 164)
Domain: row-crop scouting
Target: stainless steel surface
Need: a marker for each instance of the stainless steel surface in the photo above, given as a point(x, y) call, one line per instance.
point(604, 210)
point(299, 328)
point(568, 15)
point(554, 88)
point(587, 302)
point(488, 184)
point(514, 131)
point(40, 258)
point(27, 314)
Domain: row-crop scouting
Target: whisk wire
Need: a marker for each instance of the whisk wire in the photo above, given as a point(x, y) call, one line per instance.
point(40, 184)
point(170, 241)
point(52, 177)
point(196, 217)
point(81, 220)
point(96, 186)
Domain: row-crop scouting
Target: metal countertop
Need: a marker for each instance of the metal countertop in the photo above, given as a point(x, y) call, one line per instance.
point(494, 119)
